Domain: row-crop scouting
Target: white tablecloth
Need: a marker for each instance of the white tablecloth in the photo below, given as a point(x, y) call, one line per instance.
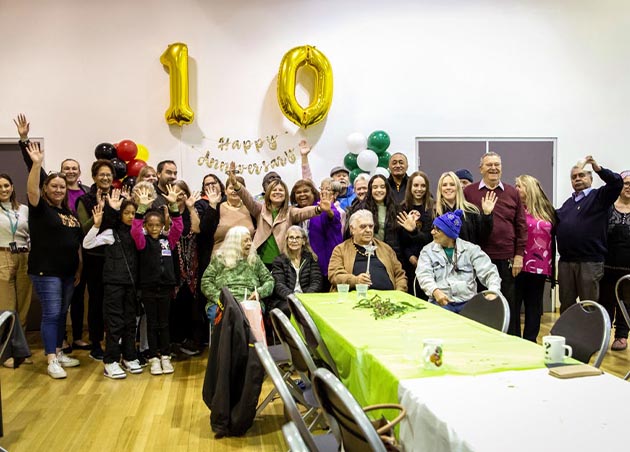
point(515, 411)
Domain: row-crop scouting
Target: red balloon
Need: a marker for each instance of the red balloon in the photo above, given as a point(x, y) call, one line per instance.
point(126, 150)
point(134, 167)
point(117, 183)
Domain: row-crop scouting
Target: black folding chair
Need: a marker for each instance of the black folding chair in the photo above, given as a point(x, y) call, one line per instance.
point(490, 308)
point(7, 322)
point(586, 328)
point(357, 432)
point(310, 332)
point(622, 305)
point(325, 442)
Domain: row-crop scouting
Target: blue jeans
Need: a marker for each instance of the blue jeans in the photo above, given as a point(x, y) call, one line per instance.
point(453, 307)
point(54, 294)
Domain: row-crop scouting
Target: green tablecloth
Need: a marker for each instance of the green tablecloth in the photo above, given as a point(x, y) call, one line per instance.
point(374, 355)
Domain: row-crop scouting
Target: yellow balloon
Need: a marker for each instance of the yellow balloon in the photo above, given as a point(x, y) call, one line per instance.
point(143, 152)
point(175, 58)
point(293, 60)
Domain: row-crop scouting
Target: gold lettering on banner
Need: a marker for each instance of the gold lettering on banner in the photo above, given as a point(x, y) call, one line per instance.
point(225, 144)
point(289, 157)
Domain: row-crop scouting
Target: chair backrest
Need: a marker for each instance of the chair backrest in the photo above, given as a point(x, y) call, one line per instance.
point(7, 322)
point(313, 338)
point(290, 407)
point(586, 328)
point(293, 438)
point(624, 281)
point(490, 308)
point(357, 432)
point(300, 357)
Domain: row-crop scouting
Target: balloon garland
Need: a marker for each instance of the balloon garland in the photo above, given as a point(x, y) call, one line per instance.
point(367, 155)
point(125, 157)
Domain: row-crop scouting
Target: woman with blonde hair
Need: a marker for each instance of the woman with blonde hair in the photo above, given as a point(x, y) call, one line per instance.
point(237, 267)
point(476, 225)
point(538, 258)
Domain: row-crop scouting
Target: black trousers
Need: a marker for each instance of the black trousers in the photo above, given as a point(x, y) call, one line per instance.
point(608, 299)
point(77, 309)
point(186, 318)
point(119, 313)
point(504, 268)
point(93, 268)
point(529, 289)
point(157, 303)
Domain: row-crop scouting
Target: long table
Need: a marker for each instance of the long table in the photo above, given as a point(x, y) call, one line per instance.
point(373, 356)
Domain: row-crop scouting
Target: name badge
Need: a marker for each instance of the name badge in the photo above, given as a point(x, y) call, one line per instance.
point(166, 249)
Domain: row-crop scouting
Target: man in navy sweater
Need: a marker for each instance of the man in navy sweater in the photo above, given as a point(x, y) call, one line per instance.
point(581, 233)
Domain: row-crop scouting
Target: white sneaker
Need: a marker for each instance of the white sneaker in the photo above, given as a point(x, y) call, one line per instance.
point(113, 370)
point(156, 368)
point(133, 367)
point(55, 370)
point(67, 361)
point(167, 367)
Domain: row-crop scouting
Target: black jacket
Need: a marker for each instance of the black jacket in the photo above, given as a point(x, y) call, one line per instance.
point(284, 276)
point(234, 374)
point(120, 267)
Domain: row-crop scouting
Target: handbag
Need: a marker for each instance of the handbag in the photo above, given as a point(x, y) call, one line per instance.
point(253, 313)
point(385, 428)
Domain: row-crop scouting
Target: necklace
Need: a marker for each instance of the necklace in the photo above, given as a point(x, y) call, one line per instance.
point(240, 204)
point(360, 250)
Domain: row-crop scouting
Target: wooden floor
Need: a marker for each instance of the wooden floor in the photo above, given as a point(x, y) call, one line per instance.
point(87, 412)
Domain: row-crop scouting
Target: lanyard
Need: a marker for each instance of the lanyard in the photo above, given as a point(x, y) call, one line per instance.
point(14, 226)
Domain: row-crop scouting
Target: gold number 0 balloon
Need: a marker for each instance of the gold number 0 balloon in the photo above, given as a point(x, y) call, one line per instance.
point(175, 58)
point(293, 60)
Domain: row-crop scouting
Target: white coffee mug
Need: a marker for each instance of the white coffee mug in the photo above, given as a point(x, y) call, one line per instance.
point(555, 349)
point(432, 353)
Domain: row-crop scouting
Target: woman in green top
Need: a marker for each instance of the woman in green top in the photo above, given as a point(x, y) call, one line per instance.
point(274, 216)
point(237, 267)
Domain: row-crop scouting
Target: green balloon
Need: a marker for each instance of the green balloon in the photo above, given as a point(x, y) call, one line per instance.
point(383, 159)
point(350, 161)
point(378, 141)
point(354, 173)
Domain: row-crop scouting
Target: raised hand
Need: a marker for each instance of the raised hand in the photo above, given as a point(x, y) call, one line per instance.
point(231, 172)
point(23, 126)
point(35, 152)
point(114, 199)
point(192, 199)
point(589, 159)
point(406, 221)
point(172, 192)
point(97, 214)
point(144, 196)
point(488, 202)
point(213, 194)
point(305, 149)
point(325, 202)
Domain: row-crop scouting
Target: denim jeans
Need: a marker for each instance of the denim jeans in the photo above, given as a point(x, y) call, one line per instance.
point(54, 294)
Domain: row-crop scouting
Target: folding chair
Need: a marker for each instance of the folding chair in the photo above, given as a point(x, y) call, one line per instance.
point(586, 328)
point(7, 322)
point(293, 438)
point(310, 332)
point(357, 432)
point(622, 305)
point(490, 308)
point(301, 360)
point(325, 442)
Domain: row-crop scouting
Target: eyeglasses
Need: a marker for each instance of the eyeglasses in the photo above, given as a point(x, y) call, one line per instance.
point(436, 229)
point(105, 175)
point(57, 174)
point(293, 239)
point(626, 184)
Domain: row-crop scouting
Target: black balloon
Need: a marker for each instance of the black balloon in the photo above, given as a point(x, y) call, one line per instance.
point(105, 151)
point(129, 182)
point(120, 168)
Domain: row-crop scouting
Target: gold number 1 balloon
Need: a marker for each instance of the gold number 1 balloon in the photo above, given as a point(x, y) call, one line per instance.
point(293, 60)
point(175, 58)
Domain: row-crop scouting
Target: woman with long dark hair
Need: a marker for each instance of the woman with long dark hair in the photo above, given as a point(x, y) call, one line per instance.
point(415, 220)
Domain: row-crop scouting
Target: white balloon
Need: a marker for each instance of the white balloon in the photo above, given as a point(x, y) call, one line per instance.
point(380, 170)
point(356, 142)
point(367, 160)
